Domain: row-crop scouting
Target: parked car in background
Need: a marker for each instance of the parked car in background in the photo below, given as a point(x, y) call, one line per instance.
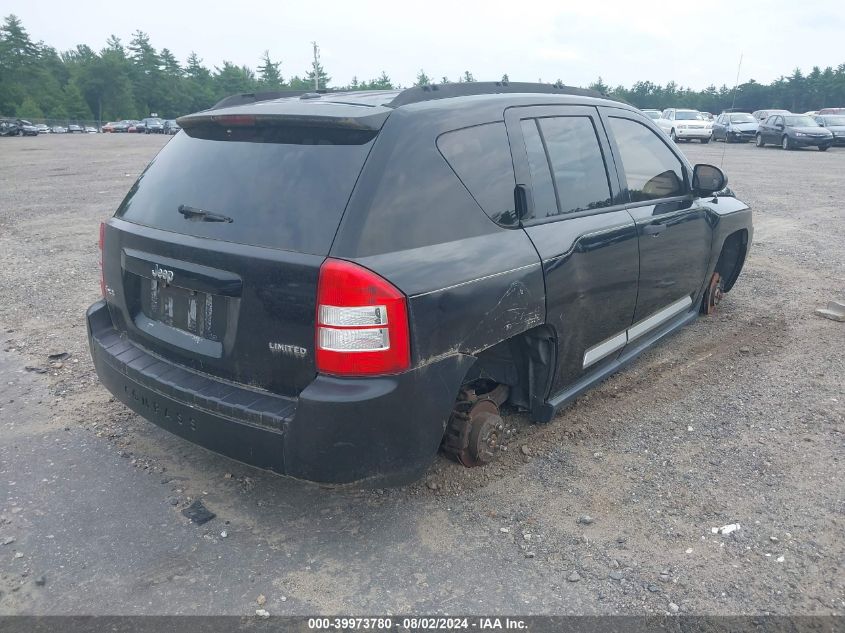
point(835, 123)
point(59, 129)
point(832, 111)
point(90, 129)
point(171, 127)
point(135, 127)
point(812, 113)
point(153, 125)
point(792, 131)
point(684, 125)
point(73, 128)
point(116, 127)
point(708, 116)
point(762, 115)
point(735, 127)
point(652, 114)
point(349, 331)
point(28, 129)
point(43, 128)
point(10, 127)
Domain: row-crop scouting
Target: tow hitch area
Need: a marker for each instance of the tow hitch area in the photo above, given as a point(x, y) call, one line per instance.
point(476, 432)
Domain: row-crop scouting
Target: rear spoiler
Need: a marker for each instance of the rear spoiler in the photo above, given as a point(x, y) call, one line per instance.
point(291, 114)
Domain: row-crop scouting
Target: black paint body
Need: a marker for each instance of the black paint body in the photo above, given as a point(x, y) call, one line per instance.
point(471, 285)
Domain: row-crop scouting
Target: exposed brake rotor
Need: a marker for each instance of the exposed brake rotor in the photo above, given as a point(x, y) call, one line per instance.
point(715, 292)
point(476, 431)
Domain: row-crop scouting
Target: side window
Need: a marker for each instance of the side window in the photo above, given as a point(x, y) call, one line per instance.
point(580, 177)
point(541, 176)
point(481, 158)
point(651, 169)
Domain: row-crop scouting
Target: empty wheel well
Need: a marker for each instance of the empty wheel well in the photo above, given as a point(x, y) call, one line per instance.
point(525, 363)
point(732, 257)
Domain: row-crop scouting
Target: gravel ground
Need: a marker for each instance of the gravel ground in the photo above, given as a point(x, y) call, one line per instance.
point(608, 509)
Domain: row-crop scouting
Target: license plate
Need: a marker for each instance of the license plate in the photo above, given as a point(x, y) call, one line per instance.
point(198, 313)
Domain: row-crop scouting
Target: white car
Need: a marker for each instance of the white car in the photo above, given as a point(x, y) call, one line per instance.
point(684, 125)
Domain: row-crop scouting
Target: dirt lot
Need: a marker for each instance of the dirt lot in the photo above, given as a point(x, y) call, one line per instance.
point(737, 419)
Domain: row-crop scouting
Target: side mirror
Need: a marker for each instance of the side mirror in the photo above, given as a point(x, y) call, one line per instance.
point(708, 179)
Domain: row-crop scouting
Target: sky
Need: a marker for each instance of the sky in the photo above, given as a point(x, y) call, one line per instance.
point(695, 43)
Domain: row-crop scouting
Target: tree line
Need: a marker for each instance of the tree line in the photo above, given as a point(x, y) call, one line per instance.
point(133, 80)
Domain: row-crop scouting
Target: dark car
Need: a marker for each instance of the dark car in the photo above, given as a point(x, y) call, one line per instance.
point(11, 127)
point(171, 127)
point(153, 126)
point(792, 131)
point(120, 127)
point(332, 287)
point(28, 129)
point(762, 115)
point(835, 123)
point(73, 128)
point(734, 127)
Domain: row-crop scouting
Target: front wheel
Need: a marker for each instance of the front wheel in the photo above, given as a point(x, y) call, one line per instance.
point(824, 148)
point(758, 140)
point(704, 141)
point(673, 136)
point(785, 143)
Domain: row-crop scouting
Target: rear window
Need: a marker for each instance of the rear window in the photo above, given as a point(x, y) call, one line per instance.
point(285, 188)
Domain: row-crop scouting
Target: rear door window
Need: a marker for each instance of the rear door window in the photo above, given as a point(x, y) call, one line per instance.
point(542, 189)
point(651, 169)
point(282, 189)
point(577, 163)
point(481, 157)
point(567, 166)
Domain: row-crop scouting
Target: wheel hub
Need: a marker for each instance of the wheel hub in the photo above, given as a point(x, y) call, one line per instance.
point(476, 432)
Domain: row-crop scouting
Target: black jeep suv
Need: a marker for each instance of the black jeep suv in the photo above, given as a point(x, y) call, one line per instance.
point(333, 285)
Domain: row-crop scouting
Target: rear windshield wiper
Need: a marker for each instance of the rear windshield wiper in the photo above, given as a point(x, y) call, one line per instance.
point(193, 213)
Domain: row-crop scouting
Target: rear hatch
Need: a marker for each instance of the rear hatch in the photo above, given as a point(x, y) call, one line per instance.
point(212, 260)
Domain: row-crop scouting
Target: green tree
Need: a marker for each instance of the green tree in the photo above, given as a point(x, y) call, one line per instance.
point(318, 71)
point(422, 79)
point(74, 103)
point(268, 71)
point(599, 86)
point(232, 79)
point(28, 109)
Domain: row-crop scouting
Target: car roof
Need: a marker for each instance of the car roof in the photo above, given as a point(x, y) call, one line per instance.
point(370, 108)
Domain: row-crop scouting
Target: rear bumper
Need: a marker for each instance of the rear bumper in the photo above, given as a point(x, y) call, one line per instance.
point(382, 430)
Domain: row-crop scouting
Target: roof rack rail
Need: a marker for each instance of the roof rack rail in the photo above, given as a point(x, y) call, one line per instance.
point(444, 91)
point(254, 97)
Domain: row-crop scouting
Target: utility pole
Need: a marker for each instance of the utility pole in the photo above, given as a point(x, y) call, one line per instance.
point(316, 66)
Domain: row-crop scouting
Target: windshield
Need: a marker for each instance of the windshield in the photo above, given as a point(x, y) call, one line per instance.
point(688, 116)
point(742, 118)
point(834, 120)
point(800, 121)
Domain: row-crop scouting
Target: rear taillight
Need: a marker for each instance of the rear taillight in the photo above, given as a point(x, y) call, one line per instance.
point(362, 322)
point(102, 274)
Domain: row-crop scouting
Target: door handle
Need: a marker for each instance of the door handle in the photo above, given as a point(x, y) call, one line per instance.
point(653, 229)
